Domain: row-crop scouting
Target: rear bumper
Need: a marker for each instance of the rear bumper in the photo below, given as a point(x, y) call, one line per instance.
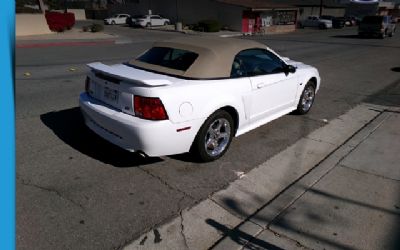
point(154, 138)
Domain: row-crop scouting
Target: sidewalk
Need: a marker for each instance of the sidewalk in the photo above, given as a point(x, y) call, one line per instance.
point(351, 200)
point(337, 188)
point(73, 37)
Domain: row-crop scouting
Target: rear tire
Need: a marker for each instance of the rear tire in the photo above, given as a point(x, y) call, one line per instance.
point(306, 99)
point(383, 35)
point(214, 137)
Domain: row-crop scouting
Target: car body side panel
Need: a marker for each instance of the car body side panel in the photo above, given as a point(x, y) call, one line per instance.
point(272, 94)
point(154, 138)
point(194, 99)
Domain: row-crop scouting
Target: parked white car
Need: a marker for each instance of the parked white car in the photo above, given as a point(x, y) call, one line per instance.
point(317, 22)
point(148, 21)
point(194, 94)
point(117, 19)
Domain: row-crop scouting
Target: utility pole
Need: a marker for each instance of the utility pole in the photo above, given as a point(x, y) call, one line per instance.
point(321, 3)
point(176, 8)
point(41, 5)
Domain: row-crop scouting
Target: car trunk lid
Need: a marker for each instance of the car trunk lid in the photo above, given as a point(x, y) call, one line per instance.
point(115, 84)
point(132, 74)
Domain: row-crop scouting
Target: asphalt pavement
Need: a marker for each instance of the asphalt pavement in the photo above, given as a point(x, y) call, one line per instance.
point(76, 191)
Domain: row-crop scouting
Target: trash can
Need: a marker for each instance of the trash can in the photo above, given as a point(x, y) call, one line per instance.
point(178, 26)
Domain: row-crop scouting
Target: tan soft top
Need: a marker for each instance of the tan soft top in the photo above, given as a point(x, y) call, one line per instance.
point(215, 56)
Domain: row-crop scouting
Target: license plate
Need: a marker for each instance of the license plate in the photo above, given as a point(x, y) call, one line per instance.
point(111, 95)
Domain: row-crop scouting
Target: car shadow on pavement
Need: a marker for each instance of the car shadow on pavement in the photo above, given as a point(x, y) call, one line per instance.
point(69, 126)
point(356, 37)
point(185, 157)
point(395, 69)
point(348, 36)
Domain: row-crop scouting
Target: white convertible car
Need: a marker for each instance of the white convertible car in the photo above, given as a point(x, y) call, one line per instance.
point(194, 94)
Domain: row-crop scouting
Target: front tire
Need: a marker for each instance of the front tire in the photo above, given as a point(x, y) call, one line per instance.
point(113, 23)
point(306, 99)
point(214, 137)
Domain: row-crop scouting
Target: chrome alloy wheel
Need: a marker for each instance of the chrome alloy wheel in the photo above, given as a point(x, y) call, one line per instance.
point(217, 137)
point(308, 97)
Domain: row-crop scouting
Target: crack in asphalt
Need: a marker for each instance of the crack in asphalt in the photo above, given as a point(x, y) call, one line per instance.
point(166, 183)
point(154, 227)
point(51, 190)
point(182, 232)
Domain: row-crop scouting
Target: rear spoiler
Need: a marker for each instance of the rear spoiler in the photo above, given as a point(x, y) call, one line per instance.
point(123, 72)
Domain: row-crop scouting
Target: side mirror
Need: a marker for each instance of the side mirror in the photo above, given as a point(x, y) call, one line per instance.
point(289, 69)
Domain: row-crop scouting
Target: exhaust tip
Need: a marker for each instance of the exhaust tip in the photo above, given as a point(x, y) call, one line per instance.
point(142, 154)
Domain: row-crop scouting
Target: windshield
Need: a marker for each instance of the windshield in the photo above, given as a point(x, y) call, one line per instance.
point(169, 57)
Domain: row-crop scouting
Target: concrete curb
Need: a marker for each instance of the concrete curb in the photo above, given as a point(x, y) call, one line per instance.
point(64, 44)
point(265, 217)
point(203, 225)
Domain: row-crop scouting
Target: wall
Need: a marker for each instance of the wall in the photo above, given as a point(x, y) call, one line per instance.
point(279, 29)
point(31, 24)
point(189, 11)
point(79, 13)
point(314, 11)
point(360, 10)
point(230, 16)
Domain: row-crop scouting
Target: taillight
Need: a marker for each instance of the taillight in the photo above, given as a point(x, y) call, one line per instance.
point(87, 84)
point(150, 108)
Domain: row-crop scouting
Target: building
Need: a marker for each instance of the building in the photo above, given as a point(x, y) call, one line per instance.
point(307, 8)
point(248, 16)
point(360, 10)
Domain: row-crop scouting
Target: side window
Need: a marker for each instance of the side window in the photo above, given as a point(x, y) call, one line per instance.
point(254, 62)
point(238, 69)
